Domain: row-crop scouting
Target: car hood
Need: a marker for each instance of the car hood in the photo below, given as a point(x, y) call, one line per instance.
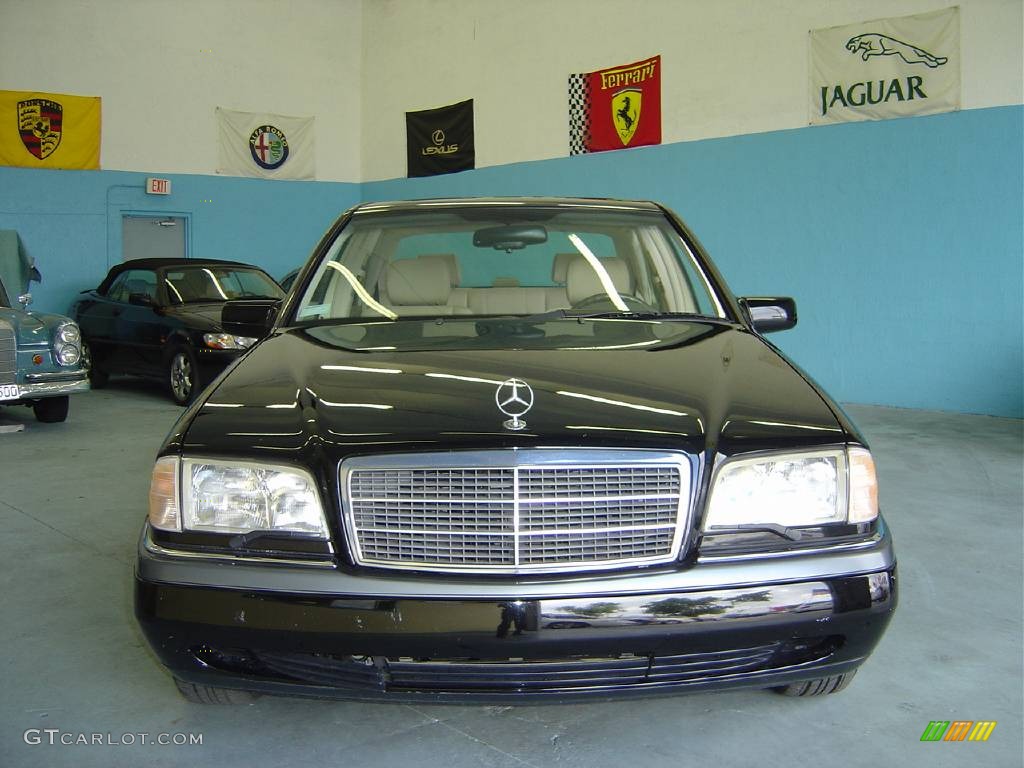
point(30, 327)
point(715, 387)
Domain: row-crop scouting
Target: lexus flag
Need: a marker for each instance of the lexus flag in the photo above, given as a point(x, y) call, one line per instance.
point(440, 140)
point(615, 108)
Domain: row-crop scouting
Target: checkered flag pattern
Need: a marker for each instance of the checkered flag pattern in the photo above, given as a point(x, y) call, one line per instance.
point(579, 115)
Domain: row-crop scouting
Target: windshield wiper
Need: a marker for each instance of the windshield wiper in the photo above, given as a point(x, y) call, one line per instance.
point(560, 314)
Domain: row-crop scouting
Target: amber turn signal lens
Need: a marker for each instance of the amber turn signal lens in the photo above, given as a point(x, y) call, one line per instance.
point(163, 495)
point(863, 487)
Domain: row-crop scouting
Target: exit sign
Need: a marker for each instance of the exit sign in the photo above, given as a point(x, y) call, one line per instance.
point(158, 186)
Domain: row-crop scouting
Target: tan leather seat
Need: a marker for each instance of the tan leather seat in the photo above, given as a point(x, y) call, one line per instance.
point(419, 287)
point(583, 281)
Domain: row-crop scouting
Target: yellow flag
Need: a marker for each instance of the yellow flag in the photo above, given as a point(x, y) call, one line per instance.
point(49, 130)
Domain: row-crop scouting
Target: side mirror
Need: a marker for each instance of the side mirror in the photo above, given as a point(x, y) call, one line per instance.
point(249, 317)
point(25, 299)
point(770, 313)
point(141, 299)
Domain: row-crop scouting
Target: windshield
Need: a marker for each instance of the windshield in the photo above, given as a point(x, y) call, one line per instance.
point(215, 283)
point(507, 260)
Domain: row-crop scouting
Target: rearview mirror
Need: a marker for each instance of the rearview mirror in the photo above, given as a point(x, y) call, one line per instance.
point(249, 317)
point(512, 237)
point(770, 313)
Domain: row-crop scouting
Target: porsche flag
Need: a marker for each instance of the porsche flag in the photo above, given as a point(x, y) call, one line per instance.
point(440, 140)
point(615, 108)
point(266, 146)
point(49, 130)
point(886, 68)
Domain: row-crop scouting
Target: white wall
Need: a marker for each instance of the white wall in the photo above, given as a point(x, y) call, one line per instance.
point(162, 66)
point(729, 66)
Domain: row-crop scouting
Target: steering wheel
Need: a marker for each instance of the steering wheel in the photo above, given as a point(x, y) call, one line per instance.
point(601, 301)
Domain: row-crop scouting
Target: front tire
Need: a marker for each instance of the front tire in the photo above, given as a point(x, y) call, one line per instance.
point(183, 375)
point(208, 694)
point(52, 409)
point(823, 686)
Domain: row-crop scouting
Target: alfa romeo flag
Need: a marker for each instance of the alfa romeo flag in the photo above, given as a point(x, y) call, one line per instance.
point(440, 140)
point(886, 68)
point(49, 130)
point(265, 146)
point(615, 108)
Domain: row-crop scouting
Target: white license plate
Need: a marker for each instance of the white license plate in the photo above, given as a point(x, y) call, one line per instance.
point(9, 392)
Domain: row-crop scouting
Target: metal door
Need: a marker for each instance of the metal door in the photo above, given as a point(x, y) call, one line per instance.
point(152, 237)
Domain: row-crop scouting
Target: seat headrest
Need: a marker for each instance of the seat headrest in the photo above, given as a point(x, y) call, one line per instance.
point(449, 261)
point(582, 281)
point(560, 267)
point(418, 282)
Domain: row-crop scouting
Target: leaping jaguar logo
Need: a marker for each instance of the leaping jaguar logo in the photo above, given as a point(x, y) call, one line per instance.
point(872, 44)
point(514, 398)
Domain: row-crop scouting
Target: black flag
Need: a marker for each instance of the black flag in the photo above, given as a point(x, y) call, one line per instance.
point(440, 140)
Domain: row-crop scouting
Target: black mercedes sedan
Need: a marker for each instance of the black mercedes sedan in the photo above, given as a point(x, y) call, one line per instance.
point(160, 318)
point(510, 449)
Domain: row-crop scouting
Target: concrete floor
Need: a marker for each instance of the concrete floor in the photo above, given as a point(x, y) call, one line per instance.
point(72, 498)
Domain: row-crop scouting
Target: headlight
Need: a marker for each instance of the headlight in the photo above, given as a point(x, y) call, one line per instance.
point(69, 334)
point(233, 497)
point(794, 489)
point(227, 341)
point(68, 354)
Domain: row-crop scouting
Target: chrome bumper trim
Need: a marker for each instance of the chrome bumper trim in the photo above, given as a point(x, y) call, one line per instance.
point(847, 547)
point(33, 390)
point(34, 378)
point(167, 568)
point(157, 549)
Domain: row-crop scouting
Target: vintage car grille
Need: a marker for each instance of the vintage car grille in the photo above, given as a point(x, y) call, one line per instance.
point(516, 511)
point(8, 354)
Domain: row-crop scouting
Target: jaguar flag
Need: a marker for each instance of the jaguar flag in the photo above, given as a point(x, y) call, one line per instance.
point(886, 68)
point(265, 146)
point(615, 108)
point(440, 140)
point(49, 130)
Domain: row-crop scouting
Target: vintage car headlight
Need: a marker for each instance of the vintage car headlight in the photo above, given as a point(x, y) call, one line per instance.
point(68, 354)
point(227, 341)
point(69, 334)
point(794, 489)
point(67, 347)
point(233, 497)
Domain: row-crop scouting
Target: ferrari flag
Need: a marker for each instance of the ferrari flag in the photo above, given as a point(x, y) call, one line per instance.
point(265, 146)
point(615, 108)
point(49, 130)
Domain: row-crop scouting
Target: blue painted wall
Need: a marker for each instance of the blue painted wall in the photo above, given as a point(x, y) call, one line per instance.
point(70, 221)
point(901, 241)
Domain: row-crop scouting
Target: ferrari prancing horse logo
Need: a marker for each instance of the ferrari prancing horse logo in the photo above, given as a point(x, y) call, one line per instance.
point(39, 123)
point(626, 113)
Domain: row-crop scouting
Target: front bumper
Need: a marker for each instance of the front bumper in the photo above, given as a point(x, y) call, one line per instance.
point(501, 641)
point(40, 385)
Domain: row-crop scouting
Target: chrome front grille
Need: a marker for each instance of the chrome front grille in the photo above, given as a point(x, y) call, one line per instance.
point(516, 511)
point(8, 354)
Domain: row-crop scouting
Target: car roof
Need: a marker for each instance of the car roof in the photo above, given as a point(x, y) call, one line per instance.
point(162, 263)
point(596, 203)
